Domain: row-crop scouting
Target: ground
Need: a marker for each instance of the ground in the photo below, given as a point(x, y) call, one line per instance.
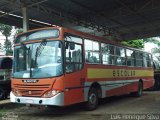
point(124, 107)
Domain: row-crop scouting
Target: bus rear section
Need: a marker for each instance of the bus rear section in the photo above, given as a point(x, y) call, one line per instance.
point(114, 70)
point(58, 66)
point(156, 66)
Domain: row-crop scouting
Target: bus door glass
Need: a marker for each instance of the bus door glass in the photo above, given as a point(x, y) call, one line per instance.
point(74, 73)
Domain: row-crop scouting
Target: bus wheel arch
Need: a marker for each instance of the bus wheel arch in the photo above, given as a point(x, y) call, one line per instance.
point(97, 86)
point(95, 92)
point(139, 91)
point(140, 84)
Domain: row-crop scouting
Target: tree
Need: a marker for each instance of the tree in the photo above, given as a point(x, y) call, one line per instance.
point(6, 31)
point(134, 43)
point(156, 53)
point(19, 30)
point(155, 50)
point(153, 40)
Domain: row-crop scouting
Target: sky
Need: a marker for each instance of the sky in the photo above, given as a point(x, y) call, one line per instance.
point(148, 46)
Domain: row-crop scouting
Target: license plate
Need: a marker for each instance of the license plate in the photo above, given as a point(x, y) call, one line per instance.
point(29, 101)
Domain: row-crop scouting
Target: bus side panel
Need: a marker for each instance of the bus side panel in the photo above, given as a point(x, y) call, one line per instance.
point(115, 92)
point(148, 83)
point(124, 89)
point(59, 83)
point(131, 87)
point(72, 96)
point(74, 87)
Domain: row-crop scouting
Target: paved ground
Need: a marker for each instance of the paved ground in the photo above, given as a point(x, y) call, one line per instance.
point(125, 107)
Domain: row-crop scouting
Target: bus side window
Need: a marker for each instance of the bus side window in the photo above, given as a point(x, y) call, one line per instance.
point(105, 53)
point(120, 54)
point(139, 59)
point(73, 54)
point(111, 55)
point(147, 60)
point(130, 57)
point(92, 52)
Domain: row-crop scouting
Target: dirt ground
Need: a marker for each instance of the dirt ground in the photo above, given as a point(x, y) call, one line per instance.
point(124, 107)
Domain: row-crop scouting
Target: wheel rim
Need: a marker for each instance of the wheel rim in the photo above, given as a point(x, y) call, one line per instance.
point(92, 99)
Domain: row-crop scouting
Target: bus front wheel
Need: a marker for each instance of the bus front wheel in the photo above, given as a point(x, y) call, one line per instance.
point(2, 93)
point(92, 102)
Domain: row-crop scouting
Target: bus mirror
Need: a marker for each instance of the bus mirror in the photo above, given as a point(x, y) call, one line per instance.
point(72, 46)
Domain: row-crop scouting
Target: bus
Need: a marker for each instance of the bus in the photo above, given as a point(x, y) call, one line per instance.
point(57, 66)
point(5, 75)
point(156, 66)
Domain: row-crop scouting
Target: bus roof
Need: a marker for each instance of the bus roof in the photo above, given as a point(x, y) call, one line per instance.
point(84, 35)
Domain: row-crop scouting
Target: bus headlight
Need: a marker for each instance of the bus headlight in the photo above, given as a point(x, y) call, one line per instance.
point(16, 92)
point(54, 92)
point(51, 93)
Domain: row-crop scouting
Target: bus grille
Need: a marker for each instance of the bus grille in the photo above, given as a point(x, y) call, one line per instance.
point(31, 90)
point(37, 93)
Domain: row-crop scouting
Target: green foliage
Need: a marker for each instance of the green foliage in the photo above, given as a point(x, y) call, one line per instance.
point(155, 50)
point(152, 40)
point(9, 52)
point(19, 30)
point(134, 43)
point(6, 31)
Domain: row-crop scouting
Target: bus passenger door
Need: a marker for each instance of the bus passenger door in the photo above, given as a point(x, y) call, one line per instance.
point(74, 74)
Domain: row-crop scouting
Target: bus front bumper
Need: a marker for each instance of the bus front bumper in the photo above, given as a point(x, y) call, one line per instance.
point(57, 100)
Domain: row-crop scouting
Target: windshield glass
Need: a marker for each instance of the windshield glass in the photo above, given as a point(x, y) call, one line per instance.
point(38, 60)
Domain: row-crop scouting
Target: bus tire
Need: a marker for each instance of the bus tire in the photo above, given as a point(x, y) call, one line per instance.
point(92, 102)
point(6, 95)
point(140, 90)
point(2, 93)
point(156, 84)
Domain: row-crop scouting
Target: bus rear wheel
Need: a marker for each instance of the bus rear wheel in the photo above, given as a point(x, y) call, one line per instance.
point(92, 102)
point(140, 89)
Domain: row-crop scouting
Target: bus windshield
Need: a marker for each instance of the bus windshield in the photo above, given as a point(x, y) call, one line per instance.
point(38, 60)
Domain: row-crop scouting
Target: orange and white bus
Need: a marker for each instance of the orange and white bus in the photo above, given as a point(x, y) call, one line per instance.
point(59, 66)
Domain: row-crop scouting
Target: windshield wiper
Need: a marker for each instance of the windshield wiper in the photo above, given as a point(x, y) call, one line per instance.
point(25, 51)
point(40, 48)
